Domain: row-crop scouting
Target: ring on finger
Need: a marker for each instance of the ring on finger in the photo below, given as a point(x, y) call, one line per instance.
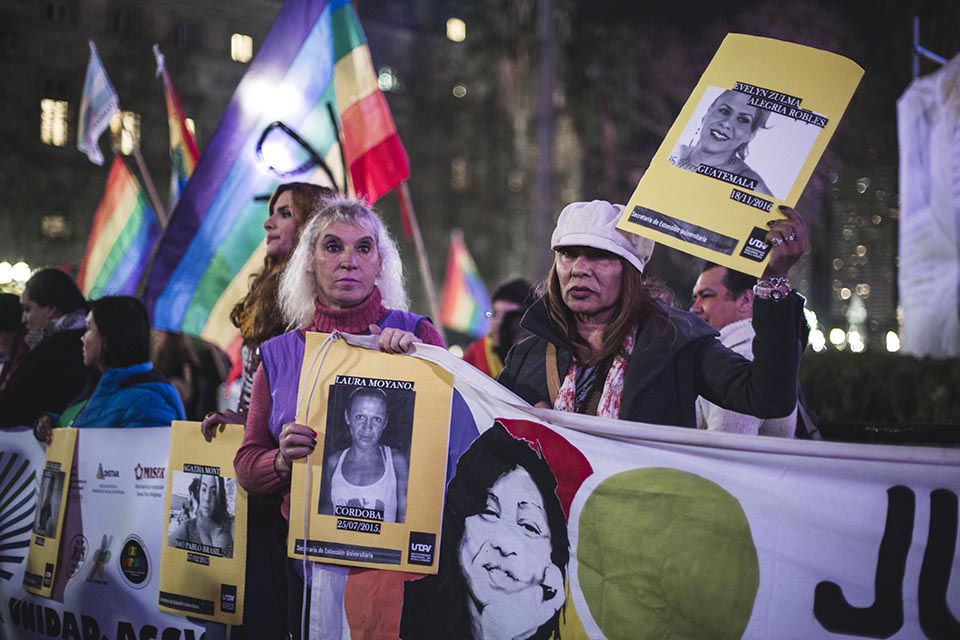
point(790, 238)
point(776, 242)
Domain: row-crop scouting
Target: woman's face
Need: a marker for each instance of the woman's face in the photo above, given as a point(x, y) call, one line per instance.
point(281, 226)
point(346, 265)
point(728, 123)
point(35, 315)
point(506, 547)
point(367, 418)
point(589, 281)
point(92, 344)
point(208, 496)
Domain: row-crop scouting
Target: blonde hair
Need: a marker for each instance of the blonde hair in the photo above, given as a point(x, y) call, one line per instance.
point(298, 285)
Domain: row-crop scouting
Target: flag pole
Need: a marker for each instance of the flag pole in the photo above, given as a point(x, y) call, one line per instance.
point(406, 203)
point(148, 183)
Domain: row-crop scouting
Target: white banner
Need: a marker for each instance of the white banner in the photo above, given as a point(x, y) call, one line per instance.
point(672, 533)
point(108, 588)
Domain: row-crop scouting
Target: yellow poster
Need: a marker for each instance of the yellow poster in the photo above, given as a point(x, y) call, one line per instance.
point(746, 141)
point(203, 562)
point(43, 557)
point(371, 493)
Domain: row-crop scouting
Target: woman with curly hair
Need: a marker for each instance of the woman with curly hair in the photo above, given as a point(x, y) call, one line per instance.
point(258, 317)
point(257, 314)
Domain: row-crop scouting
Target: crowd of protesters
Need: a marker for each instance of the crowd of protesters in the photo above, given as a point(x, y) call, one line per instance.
point(596, 337)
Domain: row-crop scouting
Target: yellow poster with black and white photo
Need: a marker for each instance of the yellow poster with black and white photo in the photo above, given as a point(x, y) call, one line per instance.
point(371, 493)
point(43, 557)
point(203, 563)
point(746, 141)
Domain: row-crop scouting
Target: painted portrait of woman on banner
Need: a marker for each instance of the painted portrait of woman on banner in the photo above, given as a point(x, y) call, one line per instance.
point(505, 550)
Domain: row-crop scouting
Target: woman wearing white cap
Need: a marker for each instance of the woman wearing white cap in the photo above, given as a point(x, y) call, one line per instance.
point(606, 344)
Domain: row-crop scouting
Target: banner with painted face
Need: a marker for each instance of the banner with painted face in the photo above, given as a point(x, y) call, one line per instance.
point(590, 528)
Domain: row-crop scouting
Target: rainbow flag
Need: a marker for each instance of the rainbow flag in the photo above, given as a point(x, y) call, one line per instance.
point(464, 301)
point(314, 74)
point(98, 104)
point(124, 232)
point(183, 147)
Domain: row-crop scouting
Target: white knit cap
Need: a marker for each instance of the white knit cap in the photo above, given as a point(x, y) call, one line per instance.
point(594, 224)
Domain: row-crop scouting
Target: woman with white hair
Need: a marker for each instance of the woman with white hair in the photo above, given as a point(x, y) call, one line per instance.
point(606, 344)
point(345, 275)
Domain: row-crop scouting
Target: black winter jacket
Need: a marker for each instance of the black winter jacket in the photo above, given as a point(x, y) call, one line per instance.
point(667, 371)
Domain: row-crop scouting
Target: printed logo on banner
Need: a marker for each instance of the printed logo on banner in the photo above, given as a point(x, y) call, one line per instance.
point(149, 473)
point(106, 473)
point(756, 247)
point(78, 554)
point(134, 563)
point(228, 598)
point(100, 559)
point(422, 547)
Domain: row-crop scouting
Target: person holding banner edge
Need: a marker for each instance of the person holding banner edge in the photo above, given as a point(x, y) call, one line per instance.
point(344, 275)
point(605, 344)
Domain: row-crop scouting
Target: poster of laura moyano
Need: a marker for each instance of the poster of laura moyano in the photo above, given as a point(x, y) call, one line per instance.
point(747, 140)
point(371, 494)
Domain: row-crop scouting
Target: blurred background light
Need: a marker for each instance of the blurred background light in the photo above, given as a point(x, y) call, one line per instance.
point(856, 342)
point(893, 341)
point(456, 30)
point(20, 272)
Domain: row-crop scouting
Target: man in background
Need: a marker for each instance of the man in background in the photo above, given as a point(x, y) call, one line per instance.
point(724, 299)
point(483, 353)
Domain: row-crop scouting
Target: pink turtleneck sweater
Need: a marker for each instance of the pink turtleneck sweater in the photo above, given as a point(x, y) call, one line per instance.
point(254, 462)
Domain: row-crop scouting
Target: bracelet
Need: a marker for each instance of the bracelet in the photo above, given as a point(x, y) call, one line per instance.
point(775, 288)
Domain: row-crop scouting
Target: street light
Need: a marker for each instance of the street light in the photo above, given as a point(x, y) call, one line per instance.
point(20, 272)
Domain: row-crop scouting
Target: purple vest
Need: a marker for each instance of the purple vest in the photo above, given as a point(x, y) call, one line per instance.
point(282, 359)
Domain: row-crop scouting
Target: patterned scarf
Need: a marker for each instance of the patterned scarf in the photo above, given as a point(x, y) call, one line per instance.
point(73, 320)
point(578, 385)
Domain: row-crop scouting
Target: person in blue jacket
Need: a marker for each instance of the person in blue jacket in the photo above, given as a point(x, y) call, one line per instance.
point(127, 392)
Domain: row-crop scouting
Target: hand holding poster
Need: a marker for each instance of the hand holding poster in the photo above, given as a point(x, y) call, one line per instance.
point(370, 494)
point(203, 560)
point(748, 138)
